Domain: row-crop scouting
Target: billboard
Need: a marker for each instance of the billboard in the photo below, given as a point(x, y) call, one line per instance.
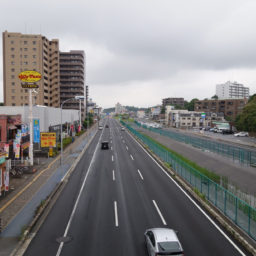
point(30, 76)
point(48, 139)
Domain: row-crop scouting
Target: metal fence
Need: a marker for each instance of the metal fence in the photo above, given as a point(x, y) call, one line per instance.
point(241, 155)
point(241, 213)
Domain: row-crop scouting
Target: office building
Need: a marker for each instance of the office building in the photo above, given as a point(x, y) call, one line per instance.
point(23, 52)
point(232, 90)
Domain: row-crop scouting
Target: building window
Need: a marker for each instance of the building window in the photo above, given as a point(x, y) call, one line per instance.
point(25, 63)
point(25, 56)
point(13, 90)
point(13, 69)
point(12, 76)
point(34, 42)
point(34, 62)
point(12, 42)
point(25, 42)
point(13, 56)
point(34, 56)
point(12, 49)
point(25, 49)
point(26, 90)
point(12, 62)
point(13, 97)
point(34, 49)
point(13, 104)
point(13, 84)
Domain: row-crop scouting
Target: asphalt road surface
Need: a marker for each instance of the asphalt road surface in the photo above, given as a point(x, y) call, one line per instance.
point(113, 196)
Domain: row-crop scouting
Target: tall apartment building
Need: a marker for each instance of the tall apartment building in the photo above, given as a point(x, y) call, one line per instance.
point(173, 102)
point(30, 52)
point(229, 107)
point(71, 78)
point(232, 90)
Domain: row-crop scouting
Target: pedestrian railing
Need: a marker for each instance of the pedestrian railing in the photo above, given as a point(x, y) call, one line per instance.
point(241, 155)
point(241, 213)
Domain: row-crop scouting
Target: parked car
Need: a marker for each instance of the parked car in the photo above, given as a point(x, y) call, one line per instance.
point(227, 132)
point(162, 241)
point(241, 134)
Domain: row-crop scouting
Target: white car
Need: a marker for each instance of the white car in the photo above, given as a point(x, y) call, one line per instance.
point(241, 134)
point(163, 241)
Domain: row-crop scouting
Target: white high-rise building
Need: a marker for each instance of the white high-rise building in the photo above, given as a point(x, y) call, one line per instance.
point(231, 90)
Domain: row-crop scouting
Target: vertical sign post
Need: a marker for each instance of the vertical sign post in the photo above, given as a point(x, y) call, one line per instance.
point(30, 77)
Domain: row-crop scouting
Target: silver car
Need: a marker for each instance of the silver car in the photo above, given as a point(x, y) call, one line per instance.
point(163, 241)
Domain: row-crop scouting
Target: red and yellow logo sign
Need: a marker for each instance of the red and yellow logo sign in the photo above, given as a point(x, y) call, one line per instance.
point(30, 76)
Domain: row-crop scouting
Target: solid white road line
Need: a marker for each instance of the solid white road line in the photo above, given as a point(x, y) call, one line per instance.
point(191, 199)
point(112, 158)
point(78, 198)
point(140, 174)
point(160, 214)
point(116, 215)
point(131, 157)
point(126, 147)
point(114, 178)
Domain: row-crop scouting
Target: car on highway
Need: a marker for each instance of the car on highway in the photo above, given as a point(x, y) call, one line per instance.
point(100, 127)
point(106, 126)
point(104, 145)
point(241, 134)
point(162, 241)
point(122, 129)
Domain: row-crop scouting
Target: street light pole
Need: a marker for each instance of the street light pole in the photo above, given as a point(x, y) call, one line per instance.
point(61, 136)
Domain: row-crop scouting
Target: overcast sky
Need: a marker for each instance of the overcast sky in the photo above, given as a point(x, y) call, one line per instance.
point(140, 51)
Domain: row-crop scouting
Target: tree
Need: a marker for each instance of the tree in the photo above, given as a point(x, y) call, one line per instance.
point(163, 110)
point(246, 121)
point(190, 105)
point(214, 97)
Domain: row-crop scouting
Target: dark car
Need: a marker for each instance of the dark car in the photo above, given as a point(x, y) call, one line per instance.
point(227, 132)
point(104, 145)
point(106, 126)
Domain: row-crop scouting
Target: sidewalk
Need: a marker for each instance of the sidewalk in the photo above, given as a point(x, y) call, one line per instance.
point(18, 207)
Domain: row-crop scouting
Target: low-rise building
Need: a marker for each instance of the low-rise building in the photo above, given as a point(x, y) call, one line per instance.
point(141, 114)
point(229, 107)
point(191, 119)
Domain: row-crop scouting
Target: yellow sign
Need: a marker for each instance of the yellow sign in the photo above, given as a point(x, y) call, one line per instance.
point(30, 76)
point(48, 139)
point(29, 86)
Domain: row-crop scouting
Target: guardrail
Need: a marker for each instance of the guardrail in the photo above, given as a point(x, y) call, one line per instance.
point(241, 213)
point(241, 155)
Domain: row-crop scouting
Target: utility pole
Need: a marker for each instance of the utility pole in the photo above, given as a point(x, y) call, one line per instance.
point(86, 98)
point(31, 128)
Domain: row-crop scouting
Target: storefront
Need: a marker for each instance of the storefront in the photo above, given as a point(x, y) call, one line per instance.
point(4, 174)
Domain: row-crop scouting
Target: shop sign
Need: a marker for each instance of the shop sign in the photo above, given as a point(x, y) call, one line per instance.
point(36, 126)
point(17, 151)
point(6, 180)
point(1, 181)
point(30, 76)
point(48, 139)
point(2, 160)
point(6, 150)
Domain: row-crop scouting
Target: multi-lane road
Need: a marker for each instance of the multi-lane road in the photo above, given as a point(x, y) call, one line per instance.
point(113, 196)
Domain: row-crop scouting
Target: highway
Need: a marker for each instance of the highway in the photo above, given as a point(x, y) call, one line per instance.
point(113, 196)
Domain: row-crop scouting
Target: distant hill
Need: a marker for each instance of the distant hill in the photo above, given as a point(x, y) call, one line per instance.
point(129, 108)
